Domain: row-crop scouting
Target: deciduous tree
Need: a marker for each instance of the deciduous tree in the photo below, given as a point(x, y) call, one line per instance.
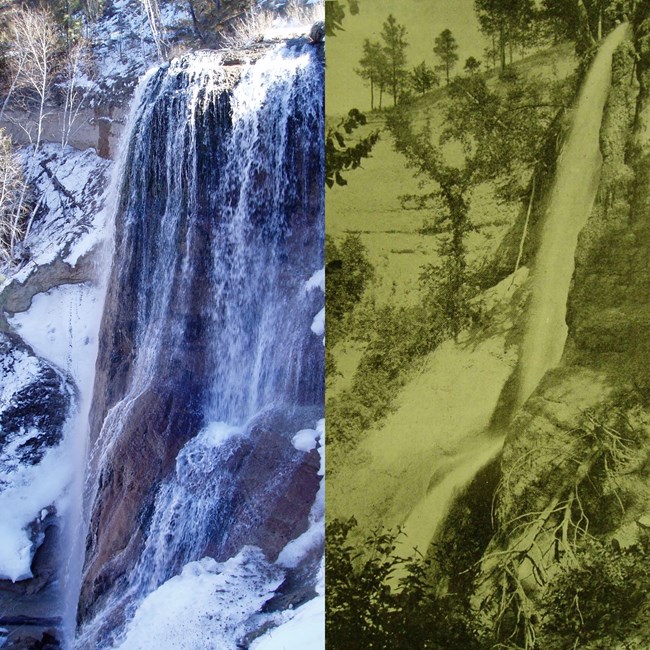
point(12, 189)
point(446, 287)
point(34, 59)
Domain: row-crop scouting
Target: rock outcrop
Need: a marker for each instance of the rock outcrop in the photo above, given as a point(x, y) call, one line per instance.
point(35, 404)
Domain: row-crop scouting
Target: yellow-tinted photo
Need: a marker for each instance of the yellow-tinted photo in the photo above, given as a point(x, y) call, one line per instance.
point(488, 317)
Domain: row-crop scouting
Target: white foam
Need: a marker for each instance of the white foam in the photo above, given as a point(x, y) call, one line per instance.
point(207, 606)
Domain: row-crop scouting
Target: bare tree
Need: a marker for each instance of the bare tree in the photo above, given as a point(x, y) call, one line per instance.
point(76, 62)
point(152, 7)
point(12, 191)
point(35, 43)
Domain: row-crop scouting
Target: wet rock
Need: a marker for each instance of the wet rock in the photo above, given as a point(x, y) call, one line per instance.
point(35, 401)
point(317, 32)
point(275, 488)
point(31, 610)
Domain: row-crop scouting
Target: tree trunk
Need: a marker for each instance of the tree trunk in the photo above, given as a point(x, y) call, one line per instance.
point(195, 22)
point(372, 94)
point(494, 51)
point(394, 85)
point(584, 20)
point(600, 23)
point(502, 47)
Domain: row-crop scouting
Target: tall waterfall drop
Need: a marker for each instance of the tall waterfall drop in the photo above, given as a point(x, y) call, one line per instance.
point(571, 200)
point(204, 469)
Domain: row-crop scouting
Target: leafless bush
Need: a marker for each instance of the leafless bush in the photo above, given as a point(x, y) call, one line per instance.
point(12, 192)
point(35, 45)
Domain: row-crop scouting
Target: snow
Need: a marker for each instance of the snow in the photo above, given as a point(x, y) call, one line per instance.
point(316, 281)
point(306, 440)
point(26, 490)
point(318, 324)
point(16, 372)
point(207, 606)
point(67, 226)
point(62, 326)
point(123, 45)
point(304, 628)
point(27, 493)
point(214, 605)
point(296, 550)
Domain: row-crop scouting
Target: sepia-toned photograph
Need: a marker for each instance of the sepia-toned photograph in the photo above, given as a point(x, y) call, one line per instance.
point(488, 320)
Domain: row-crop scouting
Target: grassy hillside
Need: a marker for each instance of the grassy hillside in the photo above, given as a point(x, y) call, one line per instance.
point(399, 238)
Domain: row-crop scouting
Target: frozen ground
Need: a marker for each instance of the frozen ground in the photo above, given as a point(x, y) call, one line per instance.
point(47, 373)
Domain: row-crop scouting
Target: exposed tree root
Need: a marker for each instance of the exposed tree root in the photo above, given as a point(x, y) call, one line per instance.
point(534, 540)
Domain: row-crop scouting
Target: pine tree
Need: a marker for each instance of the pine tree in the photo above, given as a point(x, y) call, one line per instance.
point(446, 50)
point(423, 78)
point(394, 37)
point(374, 68)
point(507, 22)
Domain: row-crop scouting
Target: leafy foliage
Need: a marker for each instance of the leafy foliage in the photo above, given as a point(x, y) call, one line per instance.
point(472, 65)
point(395, 338)
point(597, 598)
point(335, 15)
point(586, 21)
point(423, 78)
point(341, 156)
point(364, 612)
point(448, 290)
point(348, 275)
point(502, 129)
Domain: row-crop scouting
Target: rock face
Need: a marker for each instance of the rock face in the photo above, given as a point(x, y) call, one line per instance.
point(207, 363)
point(35, 403)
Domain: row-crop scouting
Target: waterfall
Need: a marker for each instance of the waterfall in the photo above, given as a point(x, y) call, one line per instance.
point(207, 363)
point(572, 198)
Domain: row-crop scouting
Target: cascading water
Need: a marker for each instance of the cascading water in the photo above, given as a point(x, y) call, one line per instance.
point(571, 201)
point(208, 363)
point(572, 198)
